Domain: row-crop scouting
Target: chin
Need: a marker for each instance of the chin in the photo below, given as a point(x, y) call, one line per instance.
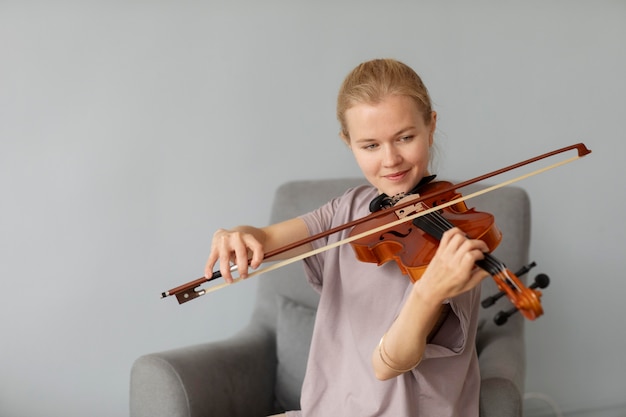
point(391, 191)
point(392, 188)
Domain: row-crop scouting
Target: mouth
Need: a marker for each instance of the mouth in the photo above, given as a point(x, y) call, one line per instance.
point(396, 176)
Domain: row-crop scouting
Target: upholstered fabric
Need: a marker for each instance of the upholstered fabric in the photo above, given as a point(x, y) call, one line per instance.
point(294, 329)
point(259, 371)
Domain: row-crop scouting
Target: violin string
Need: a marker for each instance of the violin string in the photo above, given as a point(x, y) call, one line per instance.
point(495, 267)
point(441, 224)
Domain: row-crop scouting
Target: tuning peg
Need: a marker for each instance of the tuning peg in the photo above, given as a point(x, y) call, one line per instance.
point(503, 316)
point(491, 300)
point(524, 270)
point(541, 281)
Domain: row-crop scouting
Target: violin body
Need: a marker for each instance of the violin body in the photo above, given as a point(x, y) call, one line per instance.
point(413, 248)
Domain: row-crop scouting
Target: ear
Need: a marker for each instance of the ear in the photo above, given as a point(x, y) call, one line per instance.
point(433, 127)
point(345, 139)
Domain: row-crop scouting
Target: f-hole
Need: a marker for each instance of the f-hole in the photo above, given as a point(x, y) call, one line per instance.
point(396, 234)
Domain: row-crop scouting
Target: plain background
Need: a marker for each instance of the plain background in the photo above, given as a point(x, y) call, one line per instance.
point(131, 130)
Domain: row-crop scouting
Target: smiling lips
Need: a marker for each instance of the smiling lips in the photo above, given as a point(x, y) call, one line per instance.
point(396, 176)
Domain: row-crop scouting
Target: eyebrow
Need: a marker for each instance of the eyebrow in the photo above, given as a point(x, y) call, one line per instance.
point(398, 133)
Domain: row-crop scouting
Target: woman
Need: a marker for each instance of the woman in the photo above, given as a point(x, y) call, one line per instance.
point(381, 346)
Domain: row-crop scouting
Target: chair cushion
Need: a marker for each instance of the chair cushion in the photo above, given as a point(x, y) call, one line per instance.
point(294, 328)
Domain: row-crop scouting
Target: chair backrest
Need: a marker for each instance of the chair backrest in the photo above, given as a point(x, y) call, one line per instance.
point(291, 200)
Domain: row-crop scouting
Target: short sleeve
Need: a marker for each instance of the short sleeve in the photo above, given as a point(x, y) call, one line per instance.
point(453, 335)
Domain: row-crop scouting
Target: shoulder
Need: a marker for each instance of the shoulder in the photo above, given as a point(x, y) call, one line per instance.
point(352, 204)
point(359, 196)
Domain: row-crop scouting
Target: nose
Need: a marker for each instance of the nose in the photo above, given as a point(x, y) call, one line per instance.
point(391, 156)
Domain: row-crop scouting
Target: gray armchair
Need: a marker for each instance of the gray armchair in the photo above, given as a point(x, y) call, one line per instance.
point(259, 371)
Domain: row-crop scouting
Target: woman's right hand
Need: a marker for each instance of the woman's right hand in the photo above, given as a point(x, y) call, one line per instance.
point(245, 246)
point(240, 246)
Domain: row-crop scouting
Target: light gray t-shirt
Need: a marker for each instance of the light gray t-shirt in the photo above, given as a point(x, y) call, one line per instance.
point(358, 303)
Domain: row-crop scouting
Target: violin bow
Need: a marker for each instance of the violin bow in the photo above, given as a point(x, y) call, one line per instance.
point(190, 291)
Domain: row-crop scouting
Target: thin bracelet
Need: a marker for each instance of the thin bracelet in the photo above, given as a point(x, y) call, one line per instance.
point(382, 353)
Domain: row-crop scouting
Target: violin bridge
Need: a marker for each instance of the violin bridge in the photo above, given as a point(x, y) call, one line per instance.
point(407, 211)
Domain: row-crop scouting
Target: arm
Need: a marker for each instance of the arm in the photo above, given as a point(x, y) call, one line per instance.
point(245, 245)
point(209, 379)
point(451, 272)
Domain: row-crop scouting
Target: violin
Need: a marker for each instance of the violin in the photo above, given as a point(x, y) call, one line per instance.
point(413, 244)
point(441, 208)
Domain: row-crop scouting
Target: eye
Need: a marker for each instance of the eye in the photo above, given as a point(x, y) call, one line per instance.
point(407, 138)
point(370, 146)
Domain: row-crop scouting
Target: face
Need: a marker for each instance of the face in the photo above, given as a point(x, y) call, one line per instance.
point(391, 142)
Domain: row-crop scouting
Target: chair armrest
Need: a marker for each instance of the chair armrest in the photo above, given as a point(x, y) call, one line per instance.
point(501, 354)
point(234, 377)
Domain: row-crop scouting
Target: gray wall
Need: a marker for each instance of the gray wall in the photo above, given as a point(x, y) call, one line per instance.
point(130, 131)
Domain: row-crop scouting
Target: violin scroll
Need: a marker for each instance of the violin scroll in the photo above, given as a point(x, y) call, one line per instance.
point(526, 300)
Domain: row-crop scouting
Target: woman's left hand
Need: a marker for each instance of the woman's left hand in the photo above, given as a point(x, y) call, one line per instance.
point(453, 271)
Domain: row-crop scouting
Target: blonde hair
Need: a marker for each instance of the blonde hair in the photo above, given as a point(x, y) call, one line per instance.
point(372, 81)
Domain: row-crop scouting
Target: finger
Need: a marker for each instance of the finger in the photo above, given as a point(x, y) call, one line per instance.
point(471, 252)
point(210, 264)
point(225, 266)
point(450, 235)
point(241, 260)
point(478, 274)
point(257, 254)
point(481, 245)
point(219, 252)
point(456, 241)
point(452, 240)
